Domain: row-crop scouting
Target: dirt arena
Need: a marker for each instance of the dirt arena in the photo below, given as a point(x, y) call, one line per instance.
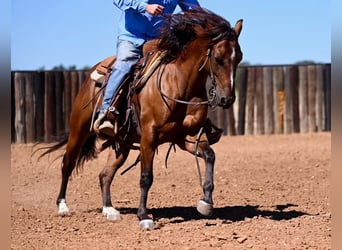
point(271, 192)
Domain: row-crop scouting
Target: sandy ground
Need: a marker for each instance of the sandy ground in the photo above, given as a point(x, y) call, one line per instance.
point(271, 192)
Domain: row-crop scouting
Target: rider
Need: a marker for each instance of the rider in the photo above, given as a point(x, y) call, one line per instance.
point(140, 21)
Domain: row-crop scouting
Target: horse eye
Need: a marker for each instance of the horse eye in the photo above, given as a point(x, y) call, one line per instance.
point(219, 61)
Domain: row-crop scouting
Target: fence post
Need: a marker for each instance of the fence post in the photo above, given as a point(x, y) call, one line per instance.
point(278, 96)
point(295, 98)
point(291, 100)
point(242, 93)
point(259, 101)
point(30, 123)
point(39, 104)
point(319, 97)
point(327, 97)
point(13, 108)
point(50, 106)
point(303, 99)
point(251, 81)
point(312, 87)
point(19, 86)
point(67, 99)
point(268, 97)
point(59, 103)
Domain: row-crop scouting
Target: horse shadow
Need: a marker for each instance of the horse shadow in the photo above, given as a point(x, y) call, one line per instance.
point(227, 214)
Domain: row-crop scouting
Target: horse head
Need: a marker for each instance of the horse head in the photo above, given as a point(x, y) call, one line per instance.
point(208, 31)
point(225, 56)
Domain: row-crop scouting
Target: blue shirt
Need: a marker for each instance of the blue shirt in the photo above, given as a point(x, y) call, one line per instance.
point(138, 26)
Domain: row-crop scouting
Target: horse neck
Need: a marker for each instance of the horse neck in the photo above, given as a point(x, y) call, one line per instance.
point(190, 63)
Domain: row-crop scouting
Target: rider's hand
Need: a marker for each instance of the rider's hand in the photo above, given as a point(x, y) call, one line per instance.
point(154, 9)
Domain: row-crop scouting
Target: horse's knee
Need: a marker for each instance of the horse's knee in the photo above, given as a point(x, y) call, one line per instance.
point(209, 154)
point(146, 180)
point(191, 124)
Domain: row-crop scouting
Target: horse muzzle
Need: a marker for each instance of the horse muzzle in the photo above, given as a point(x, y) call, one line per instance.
point(226, 102)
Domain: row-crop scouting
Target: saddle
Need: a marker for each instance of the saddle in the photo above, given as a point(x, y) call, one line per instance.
point(104, 68)
point(122, 110)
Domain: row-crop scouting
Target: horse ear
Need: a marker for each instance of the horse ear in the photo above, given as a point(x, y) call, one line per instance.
point(238, 27)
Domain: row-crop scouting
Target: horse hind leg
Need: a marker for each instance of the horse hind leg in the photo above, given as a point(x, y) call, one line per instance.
point(68, 165)
point(72, 153)
point(66, 172)
point(106, 177)
point(205, 205)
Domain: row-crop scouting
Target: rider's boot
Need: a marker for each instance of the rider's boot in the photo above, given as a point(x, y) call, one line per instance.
point(103, 126)
point(107, 128)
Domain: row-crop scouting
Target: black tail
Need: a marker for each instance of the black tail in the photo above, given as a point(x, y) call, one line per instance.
point(88, 150)
point(50, 149)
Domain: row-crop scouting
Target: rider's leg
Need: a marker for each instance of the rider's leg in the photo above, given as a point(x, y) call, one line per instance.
point(127, 55)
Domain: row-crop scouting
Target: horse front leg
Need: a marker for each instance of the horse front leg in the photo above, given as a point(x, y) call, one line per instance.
point(106, 177)
point(146, 180)
point(205, 205)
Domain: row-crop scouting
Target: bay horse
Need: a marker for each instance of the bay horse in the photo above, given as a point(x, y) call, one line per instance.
point(171, 107)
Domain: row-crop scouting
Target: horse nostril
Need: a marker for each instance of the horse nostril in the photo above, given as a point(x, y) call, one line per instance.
point(227, 102)
point(223, 101)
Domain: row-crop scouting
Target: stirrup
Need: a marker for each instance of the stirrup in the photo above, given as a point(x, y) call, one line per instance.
point(98, 122)
point(106, 127)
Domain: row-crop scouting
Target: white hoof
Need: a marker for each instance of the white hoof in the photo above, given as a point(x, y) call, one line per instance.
point(205, 208)
point(146, 224)
point(111, 213)
point(63, 210)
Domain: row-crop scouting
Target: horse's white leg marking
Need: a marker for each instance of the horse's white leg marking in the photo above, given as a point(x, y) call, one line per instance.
point(62, 208)
point(111, 213)
point(232, 57)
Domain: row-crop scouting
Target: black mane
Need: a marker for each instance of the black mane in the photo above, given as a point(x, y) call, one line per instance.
point(182, 28)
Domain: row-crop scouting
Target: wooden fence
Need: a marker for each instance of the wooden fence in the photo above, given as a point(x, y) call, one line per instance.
point(270, 100)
